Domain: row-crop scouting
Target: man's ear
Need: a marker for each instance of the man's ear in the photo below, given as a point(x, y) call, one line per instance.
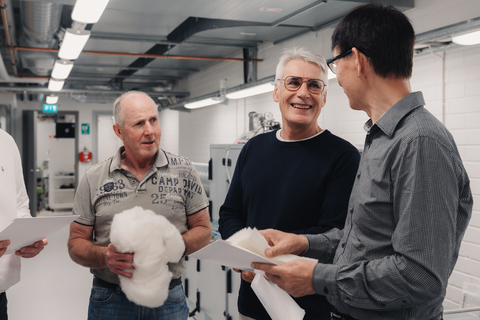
point(118, 131)
point(361, 62)
point(275, 93)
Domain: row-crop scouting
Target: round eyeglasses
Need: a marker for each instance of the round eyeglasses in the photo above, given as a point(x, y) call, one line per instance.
point(314, 86)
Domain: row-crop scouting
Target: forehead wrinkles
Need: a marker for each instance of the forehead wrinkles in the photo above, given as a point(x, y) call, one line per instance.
point(302, 69)
point(140, 110)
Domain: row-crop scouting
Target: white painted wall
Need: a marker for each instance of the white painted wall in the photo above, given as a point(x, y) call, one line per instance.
point(224, 123)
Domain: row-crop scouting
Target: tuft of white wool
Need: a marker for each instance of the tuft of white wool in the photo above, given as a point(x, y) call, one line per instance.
point(154, 241)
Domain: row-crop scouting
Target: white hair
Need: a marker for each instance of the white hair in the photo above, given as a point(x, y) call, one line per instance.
point(303, 54)
point(117, 105)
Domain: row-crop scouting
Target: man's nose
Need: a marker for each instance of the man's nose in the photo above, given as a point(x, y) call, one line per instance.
point(148, 129)
point(303, 90)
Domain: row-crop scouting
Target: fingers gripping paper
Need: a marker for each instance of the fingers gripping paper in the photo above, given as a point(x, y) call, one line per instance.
point(154, 242)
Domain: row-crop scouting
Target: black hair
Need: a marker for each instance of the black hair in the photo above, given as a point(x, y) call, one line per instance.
point(383, 34)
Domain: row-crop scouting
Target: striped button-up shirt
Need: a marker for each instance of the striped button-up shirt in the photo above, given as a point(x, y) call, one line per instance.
point(408, 211)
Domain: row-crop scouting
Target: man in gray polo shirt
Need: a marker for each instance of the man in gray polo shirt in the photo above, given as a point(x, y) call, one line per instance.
point(139, 174)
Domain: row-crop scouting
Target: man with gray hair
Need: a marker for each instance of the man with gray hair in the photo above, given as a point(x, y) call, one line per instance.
point(297, 179)
point(139, 174)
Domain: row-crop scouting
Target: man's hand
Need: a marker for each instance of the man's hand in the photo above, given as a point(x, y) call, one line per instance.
point(246, 275)
point(119, 263)
point(33, 250)
point(284, 243)
point(3, 246)
point(294, 277)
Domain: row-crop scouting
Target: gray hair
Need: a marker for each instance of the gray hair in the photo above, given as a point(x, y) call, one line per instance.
point(117, 105)
point(301, 53)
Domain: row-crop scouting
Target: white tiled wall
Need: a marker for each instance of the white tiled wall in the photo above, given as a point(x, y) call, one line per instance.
point(224, 124)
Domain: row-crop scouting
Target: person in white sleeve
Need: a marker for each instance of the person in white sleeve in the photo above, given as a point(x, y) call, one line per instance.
point(14, 204)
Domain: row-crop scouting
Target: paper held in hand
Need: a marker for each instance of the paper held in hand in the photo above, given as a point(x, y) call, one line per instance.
point(23, 232)
point(240, 250)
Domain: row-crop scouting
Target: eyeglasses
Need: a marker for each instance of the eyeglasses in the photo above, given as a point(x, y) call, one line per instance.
point(333, 66)
point(314, 86)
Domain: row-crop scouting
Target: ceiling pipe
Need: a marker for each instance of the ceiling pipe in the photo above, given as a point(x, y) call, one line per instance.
point(7, 37)
point(142, 55)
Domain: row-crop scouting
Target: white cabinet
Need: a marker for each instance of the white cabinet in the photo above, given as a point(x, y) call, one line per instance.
point(61, 168)
point(216, 287)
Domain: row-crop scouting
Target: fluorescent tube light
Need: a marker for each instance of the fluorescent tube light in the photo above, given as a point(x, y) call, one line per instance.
point(52, 99)
point(467, 39)
point(61, 69)
point(55, 85)
point(88, 11)
point(204, 103)
point(248, 92)
point(73, 44)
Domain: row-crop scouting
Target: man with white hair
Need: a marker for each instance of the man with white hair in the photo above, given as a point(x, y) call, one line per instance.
point(297, 179)
point(139, 174)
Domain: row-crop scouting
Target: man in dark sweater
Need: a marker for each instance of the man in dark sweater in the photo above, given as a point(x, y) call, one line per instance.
point(297, 179)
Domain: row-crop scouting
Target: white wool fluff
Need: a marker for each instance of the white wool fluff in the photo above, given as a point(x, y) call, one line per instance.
point(154, 242)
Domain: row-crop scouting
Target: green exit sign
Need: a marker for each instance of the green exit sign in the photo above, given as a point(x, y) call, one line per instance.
point(49, 108)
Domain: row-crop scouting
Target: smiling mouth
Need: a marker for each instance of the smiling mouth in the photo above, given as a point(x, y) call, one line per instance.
point(149, 142)
point(301, 106)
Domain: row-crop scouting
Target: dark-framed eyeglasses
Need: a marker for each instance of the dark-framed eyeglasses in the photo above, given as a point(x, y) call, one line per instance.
point(314, 86)
point(331, 62)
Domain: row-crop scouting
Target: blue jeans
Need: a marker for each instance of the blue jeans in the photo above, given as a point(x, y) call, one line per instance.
point(112, 304)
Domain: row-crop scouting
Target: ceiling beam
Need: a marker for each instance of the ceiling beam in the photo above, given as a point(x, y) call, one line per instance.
point(114, 66)
point(109, 92)
point(163, 40)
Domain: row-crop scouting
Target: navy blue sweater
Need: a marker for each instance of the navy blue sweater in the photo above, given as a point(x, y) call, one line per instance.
point(299, 187)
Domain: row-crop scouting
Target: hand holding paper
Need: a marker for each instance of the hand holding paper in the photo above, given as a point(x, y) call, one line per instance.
point(294, 277)
point(32, 250)
point(4, 246)
point(284, 243)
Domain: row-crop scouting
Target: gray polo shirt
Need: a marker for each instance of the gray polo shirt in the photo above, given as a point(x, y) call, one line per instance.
point(171, 188)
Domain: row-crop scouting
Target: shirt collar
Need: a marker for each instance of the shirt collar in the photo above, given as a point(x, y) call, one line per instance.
point(390, 119)
point(161, 159)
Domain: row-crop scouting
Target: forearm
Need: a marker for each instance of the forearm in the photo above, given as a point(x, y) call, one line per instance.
point(197, 238)
point(87, 254)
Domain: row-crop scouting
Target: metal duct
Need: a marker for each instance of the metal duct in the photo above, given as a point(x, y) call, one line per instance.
point(39, 23)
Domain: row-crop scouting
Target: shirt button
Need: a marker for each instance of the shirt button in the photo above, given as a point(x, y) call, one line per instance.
point(351, 210)
point(325, 290)
point(343, 245)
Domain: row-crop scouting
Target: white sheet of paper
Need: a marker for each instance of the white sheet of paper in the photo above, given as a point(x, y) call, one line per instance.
point(226, 254)
point(279, 304)
point(23, 232)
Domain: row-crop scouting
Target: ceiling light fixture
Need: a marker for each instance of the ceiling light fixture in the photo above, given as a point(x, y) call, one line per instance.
point(61, 69)
point(88, 11)
point(73, 44)
point(252, 91)
point(467, 39)
point(204, 102)
point(51, 99)
point(55, 85)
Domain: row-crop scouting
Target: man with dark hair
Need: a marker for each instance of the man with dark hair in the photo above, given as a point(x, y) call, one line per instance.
point(411, 201)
